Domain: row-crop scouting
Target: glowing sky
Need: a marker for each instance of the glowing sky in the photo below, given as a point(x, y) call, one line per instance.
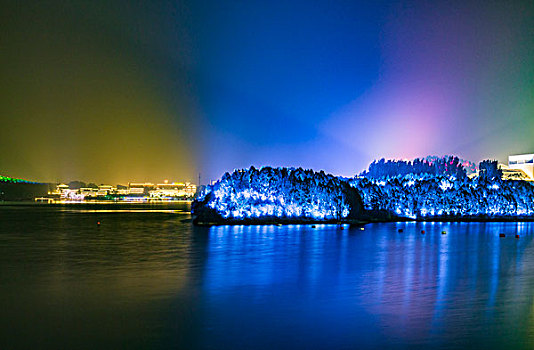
point(116, 91)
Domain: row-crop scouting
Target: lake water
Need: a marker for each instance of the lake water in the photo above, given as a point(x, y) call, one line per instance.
point(144, 279)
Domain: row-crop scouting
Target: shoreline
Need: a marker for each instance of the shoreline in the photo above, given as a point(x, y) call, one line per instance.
point(276, 222)
point(357, 223)
point(366, 218)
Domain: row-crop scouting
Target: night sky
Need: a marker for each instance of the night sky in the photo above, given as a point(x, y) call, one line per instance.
point(117, 91)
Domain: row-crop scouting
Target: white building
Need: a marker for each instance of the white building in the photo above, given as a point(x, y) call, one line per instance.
point(105, 190)
point(60, 189)
point(88, 192)
point(140, 188)
point(513, 174)
point(523, 162)
point(178, 190)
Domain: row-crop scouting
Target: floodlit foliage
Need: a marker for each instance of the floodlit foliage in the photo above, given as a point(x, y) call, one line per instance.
point(420, 189)
point(278, 193)
point(446, 195)
point(448, 165)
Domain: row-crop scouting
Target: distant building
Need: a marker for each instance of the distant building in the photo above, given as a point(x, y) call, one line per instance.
point(512, 174)
point(135, 190)
point(105, 190)
point(522, 162)
point(140, 185)
point(174, 190)
point(140, 188)
point(88, 192)
point(60, 190)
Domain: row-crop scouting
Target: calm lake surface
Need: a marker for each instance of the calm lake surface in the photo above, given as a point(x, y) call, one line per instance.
point(145, 279)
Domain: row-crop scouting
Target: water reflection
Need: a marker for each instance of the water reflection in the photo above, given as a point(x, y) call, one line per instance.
point(67, 282)
point(149, 280)
point(343, 287)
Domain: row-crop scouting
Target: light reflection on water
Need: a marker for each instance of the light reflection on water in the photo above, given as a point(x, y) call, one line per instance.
point(329, 288)
point(146, 279)
point(169, 211)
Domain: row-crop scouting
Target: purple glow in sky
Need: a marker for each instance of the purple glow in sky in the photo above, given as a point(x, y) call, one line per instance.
point(451, 78)
point(178, 88)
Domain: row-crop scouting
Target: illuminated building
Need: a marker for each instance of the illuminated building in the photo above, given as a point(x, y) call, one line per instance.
point(513, 174)
point(88, 192)
point(105, 190)
point(60, 189)
point(140, 185)
point(144, 191)
point(139, 188)
point(523, 162)
point(173, 190)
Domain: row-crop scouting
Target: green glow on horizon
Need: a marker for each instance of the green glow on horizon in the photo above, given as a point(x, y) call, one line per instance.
point(4, 179)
